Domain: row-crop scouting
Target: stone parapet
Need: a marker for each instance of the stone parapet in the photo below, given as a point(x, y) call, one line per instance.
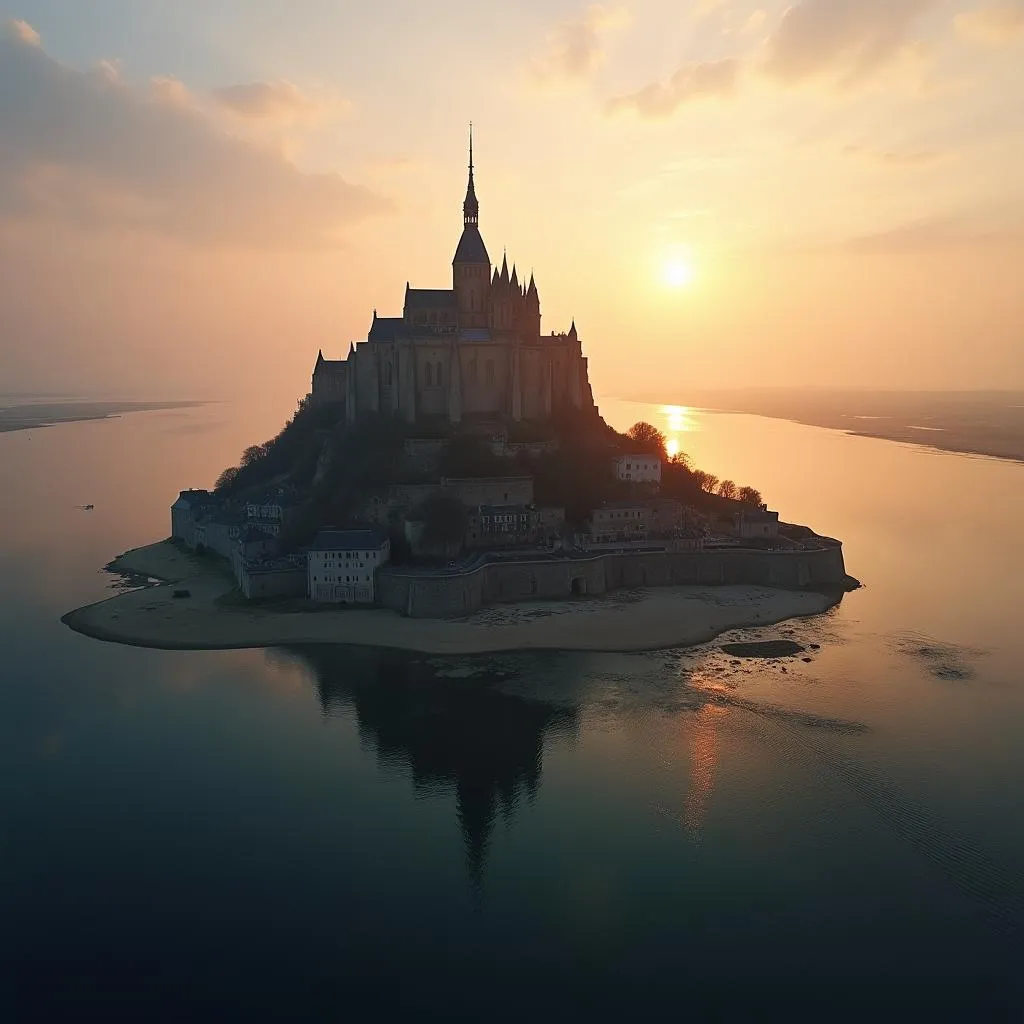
point(439, 594)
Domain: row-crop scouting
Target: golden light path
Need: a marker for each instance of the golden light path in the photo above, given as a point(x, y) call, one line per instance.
point(679, 420)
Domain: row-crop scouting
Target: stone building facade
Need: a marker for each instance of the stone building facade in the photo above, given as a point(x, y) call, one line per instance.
point(474, 349)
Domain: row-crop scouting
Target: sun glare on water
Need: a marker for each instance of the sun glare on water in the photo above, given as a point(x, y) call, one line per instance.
point(678, 420)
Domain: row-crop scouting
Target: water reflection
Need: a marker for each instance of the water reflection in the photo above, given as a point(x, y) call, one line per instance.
point(703, 759)
point(454, 734)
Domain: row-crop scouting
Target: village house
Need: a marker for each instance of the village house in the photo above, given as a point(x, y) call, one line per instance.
point(756, 524)
point(638, 469)
point(185, 513)
point(506, 525)
point(273, 511)
point(342, 564)
point(619, 521)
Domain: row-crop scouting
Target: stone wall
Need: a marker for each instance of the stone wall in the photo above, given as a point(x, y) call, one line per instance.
point(442, 595)
point(258, 583)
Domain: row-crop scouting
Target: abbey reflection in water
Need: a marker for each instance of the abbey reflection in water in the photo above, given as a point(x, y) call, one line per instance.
point(459, 734)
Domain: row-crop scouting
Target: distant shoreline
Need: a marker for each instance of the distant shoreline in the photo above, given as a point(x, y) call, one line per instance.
point(625, 621)
point(36, 416)
point(944, 422)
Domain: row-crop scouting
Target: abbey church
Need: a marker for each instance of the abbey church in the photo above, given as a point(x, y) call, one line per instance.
point(475, 349)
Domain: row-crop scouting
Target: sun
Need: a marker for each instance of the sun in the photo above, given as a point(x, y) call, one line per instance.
point(678, 273)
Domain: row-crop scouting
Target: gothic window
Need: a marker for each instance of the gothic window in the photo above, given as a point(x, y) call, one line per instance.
point(428, 374)
point(387, 374)
point(472, 370)
point(439, 378)
point(490, 372)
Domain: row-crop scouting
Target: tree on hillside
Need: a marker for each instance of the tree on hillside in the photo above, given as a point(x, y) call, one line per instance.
point(750, 496)
point(226, 479)
point(253, 454)
point(647, 438)
point(727, 489)
point(706, 481)
point(680, 459)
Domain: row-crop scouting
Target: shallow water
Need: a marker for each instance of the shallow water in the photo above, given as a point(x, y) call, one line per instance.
point(300, 833)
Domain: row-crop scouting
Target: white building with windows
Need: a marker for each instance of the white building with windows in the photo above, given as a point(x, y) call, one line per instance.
point(342, 565)
point(643, 469)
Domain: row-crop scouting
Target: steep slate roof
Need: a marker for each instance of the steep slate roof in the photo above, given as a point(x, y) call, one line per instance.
point(430, 298)
point(471, 248)
point(349, 540)
point(386, 328)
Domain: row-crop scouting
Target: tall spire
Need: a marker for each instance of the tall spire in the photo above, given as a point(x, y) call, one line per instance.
point(470, 208)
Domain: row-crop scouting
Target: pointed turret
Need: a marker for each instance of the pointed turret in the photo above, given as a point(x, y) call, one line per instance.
point(515, 278)
point(531, 291)
point(351, 349)
point(573, 336)
point(504, 268)
point(319, 357)
point(494, 279)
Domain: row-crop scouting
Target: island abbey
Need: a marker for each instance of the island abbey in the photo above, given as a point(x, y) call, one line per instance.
point(472, 350)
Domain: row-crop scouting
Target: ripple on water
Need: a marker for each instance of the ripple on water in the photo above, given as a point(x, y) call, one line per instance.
point(940, 660)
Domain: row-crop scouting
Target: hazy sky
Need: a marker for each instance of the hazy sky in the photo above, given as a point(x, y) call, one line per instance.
point(194, 198)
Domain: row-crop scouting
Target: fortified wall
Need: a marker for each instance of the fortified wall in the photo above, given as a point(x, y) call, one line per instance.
point(450, 594)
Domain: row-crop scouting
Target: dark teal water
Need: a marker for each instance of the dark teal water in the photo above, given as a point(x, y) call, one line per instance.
point(337, 833)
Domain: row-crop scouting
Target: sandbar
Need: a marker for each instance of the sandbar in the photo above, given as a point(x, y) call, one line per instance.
point(626, 620)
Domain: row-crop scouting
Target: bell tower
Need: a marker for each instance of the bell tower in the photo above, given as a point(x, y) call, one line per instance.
point(471, 267)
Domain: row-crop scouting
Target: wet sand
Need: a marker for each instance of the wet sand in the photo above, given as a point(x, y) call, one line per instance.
point(36, 415)
point(626, 620)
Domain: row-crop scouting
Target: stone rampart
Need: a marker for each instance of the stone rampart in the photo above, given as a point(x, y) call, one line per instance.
point(438, 594)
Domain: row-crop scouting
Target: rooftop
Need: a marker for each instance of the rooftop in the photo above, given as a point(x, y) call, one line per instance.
point(471, 248)
point(449, 480)
point(386, 328)
point(349, 540)
point(430, 298)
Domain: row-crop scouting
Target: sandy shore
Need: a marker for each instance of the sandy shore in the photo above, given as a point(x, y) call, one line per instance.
point(622, 621)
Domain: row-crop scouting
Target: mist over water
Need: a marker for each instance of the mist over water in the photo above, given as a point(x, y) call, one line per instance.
point(332, 831)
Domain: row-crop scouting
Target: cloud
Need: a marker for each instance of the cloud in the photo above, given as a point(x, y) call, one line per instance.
point(849, 39)
point(900, 157)
point(85, 147)
point(279, 100)
point(939, 234)
point(21, 32)
point(995, 24)
point(575, 49)
point(690, 82)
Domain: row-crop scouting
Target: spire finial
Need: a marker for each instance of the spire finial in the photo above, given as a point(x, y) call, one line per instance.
point(470, 208)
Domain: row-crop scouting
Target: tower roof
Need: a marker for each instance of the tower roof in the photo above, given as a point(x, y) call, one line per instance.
point(471, 248)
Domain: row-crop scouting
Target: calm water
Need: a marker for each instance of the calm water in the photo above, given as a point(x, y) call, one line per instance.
point(330, 834)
